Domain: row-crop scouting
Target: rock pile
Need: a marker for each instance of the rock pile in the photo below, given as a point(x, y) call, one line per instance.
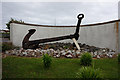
point(63, 50)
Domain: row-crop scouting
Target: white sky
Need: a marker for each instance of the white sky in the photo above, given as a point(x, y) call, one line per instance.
point(59, 13)
point(59, 0)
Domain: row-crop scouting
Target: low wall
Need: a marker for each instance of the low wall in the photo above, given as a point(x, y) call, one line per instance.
point(104, 35)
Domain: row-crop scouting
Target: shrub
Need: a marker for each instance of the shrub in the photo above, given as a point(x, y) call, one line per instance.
point(86, 59)
point(88, 73)
point(6, 35)
point(47, 60)
point(119, 58)
point(13, 20)
point(66, 47)
point(6, 46)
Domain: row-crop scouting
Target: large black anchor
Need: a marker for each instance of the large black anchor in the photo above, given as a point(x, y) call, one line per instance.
point(26, 44)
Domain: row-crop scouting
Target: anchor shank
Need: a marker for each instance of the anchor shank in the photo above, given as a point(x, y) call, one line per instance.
point(51, 39)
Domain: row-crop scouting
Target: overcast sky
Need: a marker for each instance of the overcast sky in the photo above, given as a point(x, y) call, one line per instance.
point(59, 13)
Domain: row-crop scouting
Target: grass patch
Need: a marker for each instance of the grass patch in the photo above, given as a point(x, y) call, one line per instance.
point(108, 66)
point(22, 67)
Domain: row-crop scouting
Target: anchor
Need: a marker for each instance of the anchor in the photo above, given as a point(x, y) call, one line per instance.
point(33, 44)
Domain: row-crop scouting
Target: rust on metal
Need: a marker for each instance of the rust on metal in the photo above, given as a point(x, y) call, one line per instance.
point(117, 27)
point(26, 44)
point(117, 35)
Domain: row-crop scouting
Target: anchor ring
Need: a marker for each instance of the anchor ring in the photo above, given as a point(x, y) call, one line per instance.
point(80, 16)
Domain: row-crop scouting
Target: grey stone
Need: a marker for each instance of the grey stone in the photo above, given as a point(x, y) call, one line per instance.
point(61, 52)
point(69, 56)
point(64, 53)
point(77, 52)
point(24, 53)
point(57, 56)
point(98, 57)
point(6, 52)
point(69, 51)
point(110, 56)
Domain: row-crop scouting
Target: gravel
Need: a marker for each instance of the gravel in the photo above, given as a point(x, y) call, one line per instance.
point(66, 50)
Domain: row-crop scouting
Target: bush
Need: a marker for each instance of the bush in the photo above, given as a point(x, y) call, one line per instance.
point(86, 59)
point(6, 35)
point(119, 58)
point(47, 60)
point(6, 46)
point(88, 73)
point(13, 20)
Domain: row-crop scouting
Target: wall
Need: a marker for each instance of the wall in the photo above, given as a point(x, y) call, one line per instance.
point(104, 35)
